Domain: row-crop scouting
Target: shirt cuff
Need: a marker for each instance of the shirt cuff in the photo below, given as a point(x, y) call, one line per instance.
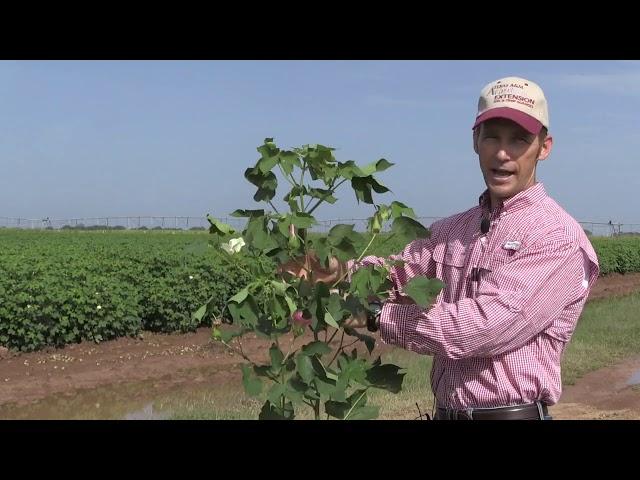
point(399, 323)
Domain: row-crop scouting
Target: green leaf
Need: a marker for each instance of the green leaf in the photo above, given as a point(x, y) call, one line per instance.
point(349, 170)
point(219, 228)
point(322, 250)
point(199, 314)
point(297, 386)
point(336, 409)
point(265, 164)
point(369, 341)
point(331, 375)
point(319, 368)
point(292, 393)
point(305, 288)
point(227, 335)
point(386, 377)
point(245, 313)
point(268, 148)
point(291, 304)
point(303, 220)
point(398, 209)
point(329, 320)
point(321, 291)
point(360, 282)
point(323, 194)
point(280, 287)
point(276, 391)
point(334, 307)
point(266, 183)
point(316, 348)
point(364, 413)
point(304, 368)
point(269, 156)
point(278, 308)
point(276, 357)
point(354, 408)
point(363, 186)
point(295, 193)
point(383, 164)
point(324, 388)
point(379, 166)
point(252, 385)
point(288, 160)
point(423, 290)
point(354, 369)
point(263, 371)
point(345, 250)
point(378, 187)
point(248, 213)
point(257, 235)
point(272, 412)
point(408, 229)
point(240, 296)
point(339, 232)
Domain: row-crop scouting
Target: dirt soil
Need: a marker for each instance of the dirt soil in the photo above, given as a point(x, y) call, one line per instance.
point(170, 362)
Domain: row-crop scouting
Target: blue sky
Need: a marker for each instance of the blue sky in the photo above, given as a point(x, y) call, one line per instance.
point(118, 138)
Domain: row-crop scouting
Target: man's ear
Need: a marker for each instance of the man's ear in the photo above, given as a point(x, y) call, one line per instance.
point(545, 148)
point(476, 134)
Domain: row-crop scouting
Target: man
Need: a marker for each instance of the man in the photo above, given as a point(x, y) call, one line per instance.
point(517, 268)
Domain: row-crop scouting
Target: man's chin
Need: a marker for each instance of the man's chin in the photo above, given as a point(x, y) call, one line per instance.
point(501, 192)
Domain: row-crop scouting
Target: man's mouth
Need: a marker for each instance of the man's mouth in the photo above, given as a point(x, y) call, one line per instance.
point(501, 173)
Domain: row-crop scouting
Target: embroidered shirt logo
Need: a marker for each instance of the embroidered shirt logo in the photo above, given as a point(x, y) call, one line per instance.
point(511, 245)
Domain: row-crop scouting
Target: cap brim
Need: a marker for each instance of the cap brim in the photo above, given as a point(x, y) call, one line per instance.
point(527, 122)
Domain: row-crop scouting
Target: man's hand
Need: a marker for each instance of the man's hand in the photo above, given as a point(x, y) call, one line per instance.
point(358, 321)
point(310, 267)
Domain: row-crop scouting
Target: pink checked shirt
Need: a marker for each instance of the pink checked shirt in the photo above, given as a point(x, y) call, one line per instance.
point(497, 336)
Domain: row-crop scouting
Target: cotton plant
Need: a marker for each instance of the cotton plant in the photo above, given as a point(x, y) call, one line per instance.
point(330, 378)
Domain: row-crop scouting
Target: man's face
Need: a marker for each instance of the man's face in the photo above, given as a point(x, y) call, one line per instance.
point(508, 156)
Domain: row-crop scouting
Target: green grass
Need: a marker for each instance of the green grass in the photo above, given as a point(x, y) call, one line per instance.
point(232, 404)
point(607, 332)
point(415, 388)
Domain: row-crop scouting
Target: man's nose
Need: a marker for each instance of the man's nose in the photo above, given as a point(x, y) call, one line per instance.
point(503, 155)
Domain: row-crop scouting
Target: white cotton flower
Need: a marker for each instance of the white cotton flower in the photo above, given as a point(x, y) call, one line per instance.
point(190, 277)
point(233, 246)
point(28, 306)
point(99, 307)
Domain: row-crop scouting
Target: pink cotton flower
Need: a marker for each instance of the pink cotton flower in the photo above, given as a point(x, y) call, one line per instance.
point(299, 319)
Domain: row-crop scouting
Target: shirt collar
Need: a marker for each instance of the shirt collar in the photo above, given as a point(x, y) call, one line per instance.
point(524, 199)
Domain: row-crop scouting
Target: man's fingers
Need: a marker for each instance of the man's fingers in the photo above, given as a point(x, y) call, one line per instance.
point(359, 321)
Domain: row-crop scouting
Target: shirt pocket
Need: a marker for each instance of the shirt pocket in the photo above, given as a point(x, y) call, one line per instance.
point(450, 261)
point(497, 258)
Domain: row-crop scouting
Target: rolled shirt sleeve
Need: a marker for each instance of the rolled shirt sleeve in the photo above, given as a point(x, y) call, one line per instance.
point(513, 304)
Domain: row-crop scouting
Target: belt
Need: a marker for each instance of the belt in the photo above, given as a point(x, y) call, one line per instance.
point(529, 411)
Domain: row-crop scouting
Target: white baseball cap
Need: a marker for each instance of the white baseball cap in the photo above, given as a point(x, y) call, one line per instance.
point(515, 99)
